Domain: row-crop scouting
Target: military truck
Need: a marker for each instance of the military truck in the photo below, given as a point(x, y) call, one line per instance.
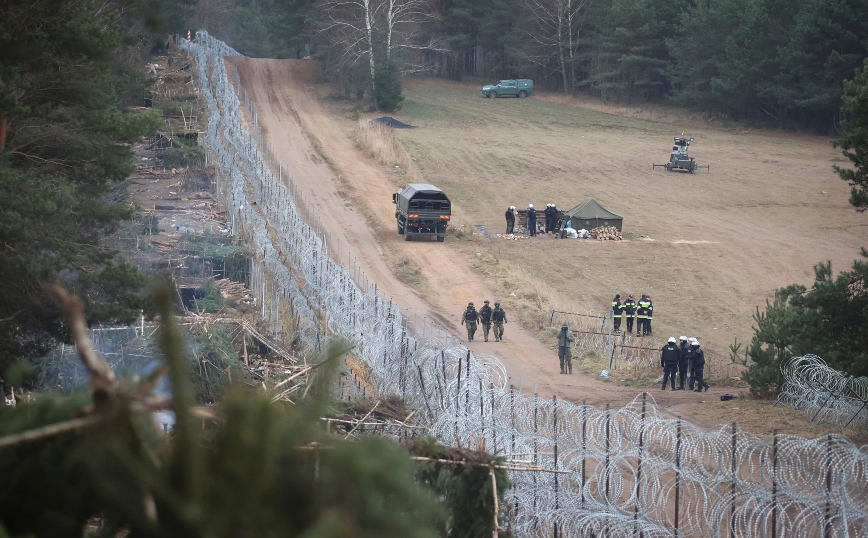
point(422, 210)
point(513, 87)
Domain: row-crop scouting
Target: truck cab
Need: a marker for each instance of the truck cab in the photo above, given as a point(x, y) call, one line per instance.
point(422, 210)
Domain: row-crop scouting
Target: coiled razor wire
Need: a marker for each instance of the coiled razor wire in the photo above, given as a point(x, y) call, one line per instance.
point(607, 472)
point(823, 393)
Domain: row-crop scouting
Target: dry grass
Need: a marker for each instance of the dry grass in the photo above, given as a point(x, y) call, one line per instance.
point(379, 142)
point(708, 247)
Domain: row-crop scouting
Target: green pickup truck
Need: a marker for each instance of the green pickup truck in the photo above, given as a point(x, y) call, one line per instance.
point(513, 88)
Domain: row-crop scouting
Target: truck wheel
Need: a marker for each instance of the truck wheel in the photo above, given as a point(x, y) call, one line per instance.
point(522, 94)
point(441, 238)
point(400, 228)
point(492, 95)
point(406, 237)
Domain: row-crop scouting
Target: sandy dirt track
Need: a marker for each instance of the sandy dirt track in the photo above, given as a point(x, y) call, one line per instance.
point(301, 130)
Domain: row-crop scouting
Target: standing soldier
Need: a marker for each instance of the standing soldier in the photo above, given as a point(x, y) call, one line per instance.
point(531, 220)
point(564, 353)
point(485, 319)
point(696, 363)
point(469, 318)
point(650, 316)
point(616, 313)
point(510, 219)
point(498, 316)
point(669, 361)
point(682, 361)
point(629, 308)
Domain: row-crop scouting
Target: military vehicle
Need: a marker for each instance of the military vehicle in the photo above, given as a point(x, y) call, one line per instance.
point(422, 210)
point(679, 159)
point(513, 87)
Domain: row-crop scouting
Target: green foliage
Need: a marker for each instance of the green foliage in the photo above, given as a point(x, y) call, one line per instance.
point(262, 28)
point(855, 139)
point(249, 472)
point(389, 94)
point(64, 153)
point(828, 320)
point(466, 489)
point(216, 363)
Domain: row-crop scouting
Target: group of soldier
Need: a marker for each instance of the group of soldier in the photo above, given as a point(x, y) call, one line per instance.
point(642, 312)
point(685, 359)
point(486, 316)
point(551, 215)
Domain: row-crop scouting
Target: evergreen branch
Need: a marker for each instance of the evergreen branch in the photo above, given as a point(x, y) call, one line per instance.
point(50, 430)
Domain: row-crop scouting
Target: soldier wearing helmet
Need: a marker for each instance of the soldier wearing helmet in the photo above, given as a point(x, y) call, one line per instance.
point(469, 318)
point(485, 319)
point(498, 317)
point(564, 353)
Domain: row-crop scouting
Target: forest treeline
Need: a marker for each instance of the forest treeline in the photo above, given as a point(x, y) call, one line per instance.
point(767, 62)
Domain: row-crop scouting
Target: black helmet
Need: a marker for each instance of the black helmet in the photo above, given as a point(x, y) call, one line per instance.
point(564, 326)
point(496, 303)
point(470, 303)
point(486, 301)
point(617, 296)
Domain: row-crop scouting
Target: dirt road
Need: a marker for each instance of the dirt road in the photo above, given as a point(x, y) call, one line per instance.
point(353, 188)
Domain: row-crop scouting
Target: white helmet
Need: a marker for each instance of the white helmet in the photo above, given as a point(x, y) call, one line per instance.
point(512, 207)
point(551, 205)
point(694, 342)
point(671, 339)
point(682, 338)
point(530, 206)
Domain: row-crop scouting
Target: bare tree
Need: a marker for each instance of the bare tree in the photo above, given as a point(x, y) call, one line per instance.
point(555, 29)
point(375, 29)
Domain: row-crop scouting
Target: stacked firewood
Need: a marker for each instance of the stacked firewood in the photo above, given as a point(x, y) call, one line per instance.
point(606, 233)
point(231, 289)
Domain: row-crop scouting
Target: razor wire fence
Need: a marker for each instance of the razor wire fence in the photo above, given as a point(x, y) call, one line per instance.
point(823, 393)
point(604, 472)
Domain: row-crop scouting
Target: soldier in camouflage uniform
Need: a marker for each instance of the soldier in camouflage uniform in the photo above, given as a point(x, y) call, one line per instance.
point(469, 318)
point(564, 352)
point(498, 316)
point(485, 319)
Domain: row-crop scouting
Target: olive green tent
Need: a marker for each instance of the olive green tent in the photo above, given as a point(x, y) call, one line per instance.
point(590, 214)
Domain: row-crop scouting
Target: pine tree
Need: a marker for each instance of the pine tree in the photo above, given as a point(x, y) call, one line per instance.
point(855, 139)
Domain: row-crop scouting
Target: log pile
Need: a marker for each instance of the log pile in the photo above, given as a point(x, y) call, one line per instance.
point(231, 289)
point(606, 233)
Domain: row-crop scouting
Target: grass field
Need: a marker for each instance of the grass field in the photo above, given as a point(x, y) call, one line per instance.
point(708, 247)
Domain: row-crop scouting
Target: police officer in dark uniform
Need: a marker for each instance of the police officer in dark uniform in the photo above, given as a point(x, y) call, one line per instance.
point(669, 361)
point(554, 213)
point(510, 219)
point(696, 363)
point(469, 319)
point(485, 319)
point(531, 220)
point(629, 308)
point(682, 361)
point(616, 313)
